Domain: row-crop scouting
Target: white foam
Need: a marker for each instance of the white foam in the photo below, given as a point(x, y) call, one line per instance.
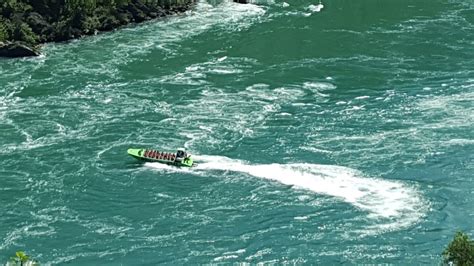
point(394, 202)
point(459, 142)
point(196, 74)
point(316, 8)
point(168, 168)
point(319, 86)
point(301, 218)
point(225, 257)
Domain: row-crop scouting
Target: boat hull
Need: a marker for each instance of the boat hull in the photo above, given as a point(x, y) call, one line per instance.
point(148, 155)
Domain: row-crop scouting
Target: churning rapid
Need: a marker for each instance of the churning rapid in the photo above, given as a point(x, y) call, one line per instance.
point(331, 135)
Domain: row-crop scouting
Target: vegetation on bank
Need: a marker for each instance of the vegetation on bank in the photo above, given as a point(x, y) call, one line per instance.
point(31, 22)
point(21, 259)
point(460, 251)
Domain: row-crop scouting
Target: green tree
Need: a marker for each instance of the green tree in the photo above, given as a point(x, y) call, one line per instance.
point(22, 32)
point(34, 21)
point(460, 251)
point(3, 31)
point(10, 7)
point(21, 259)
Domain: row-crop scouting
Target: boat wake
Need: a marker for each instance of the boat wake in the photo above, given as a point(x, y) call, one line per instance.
point(391, 205)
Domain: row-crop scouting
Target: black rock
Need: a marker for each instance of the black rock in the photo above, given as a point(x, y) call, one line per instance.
point(16, 49)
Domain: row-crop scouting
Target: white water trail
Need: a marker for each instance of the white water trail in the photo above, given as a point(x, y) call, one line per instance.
point(391, 204)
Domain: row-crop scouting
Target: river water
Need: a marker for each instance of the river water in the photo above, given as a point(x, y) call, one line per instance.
point(339, 136)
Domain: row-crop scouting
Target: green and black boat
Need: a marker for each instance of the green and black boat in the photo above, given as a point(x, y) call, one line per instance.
point(180, 158)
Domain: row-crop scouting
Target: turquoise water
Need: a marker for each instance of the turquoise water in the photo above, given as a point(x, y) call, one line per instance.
point(340, 136)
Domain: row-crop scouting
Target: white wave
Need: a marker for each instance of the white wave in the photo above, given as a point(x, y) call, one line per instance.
point(362, 97)
point(196, 74)
point(457, 111)
point(319, 86)
point(301, 218)
point(221, 258)
point(230, 15)
point(391, 204)
point(459, 142)
point(316, 8)
point(168, 168)
point(230, 255)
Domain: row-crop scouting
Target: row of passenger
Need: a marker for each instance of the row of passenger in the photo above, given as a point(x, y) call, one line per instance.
point(160, 155)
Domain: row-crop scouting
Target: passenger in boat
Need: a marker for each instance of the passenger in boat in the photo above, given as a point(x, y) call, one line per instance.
point(180, 155)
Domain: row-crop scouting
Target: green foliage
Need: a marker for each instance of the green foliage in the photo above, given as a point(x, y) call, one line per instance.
point(3, 31)
point(90, 24)
point(33, 21)
point(10, 7)
point(460, 251)
point(22, 256)
point(23, 32)
point(21, 259)
point(82, 6)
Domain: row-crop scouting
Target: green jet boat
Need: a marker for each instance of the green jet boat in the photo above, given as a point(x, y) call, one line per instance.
point(180, 158)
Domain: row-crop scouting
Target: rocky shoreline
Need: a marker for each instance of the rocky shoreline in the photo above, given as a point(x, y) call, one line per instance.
point(17, 49)
point(25, 24)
